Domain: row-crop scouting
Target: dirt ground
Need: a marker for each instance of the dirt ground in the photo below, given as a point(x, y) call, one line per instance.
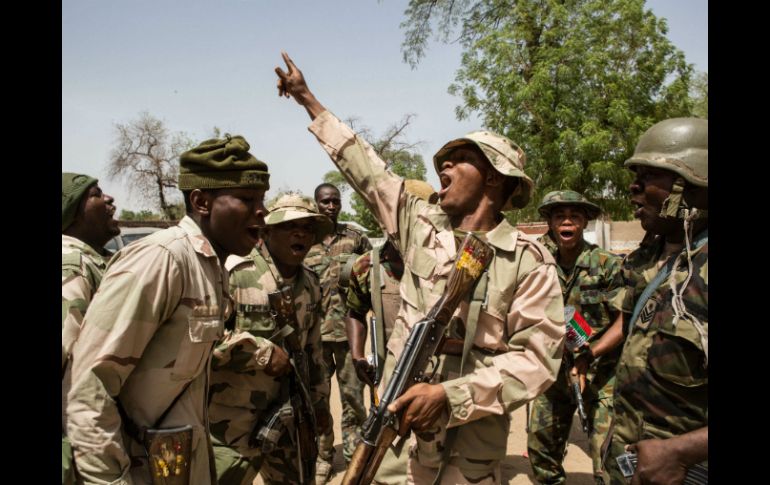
point(515, 468)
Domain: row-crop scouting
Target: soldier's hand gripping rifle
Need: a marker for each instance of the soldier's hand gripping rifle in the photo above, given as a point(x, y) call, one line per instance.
point(574, 385)
point(381, 426)
point(304, 436)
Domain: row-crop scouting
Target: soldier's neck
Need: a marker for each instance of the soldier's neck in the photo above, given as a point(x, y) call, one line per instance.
point(480, 220)
point(286, 270)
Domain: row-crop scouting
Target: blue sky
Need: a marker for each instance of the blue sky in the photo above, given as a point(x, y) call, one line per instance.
point(198, 64)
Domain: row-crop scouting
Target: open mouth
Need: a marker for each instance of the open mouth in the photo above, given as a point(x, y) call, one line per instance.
point(445, 181)
point(566, 234)
point(639, 206)
point(298, 248)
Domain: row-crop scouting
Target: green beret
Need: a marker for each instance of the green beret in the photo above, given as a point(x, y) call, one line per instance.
point(222, 163)
point(73, 186)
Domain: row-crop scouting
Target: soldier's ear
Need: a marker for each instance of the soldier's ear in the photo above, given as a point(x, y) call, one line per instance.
point(201, 201)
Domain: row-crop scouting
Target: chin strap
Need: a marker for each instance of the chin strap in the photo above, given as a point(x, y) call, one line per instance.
point(675, 206)
point(680, 310)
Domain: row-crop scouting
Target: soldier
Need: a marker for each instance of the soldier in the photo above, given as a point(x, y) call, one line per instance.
point(249, 364)
point(519, 323)
point(590, 278)
point(142, 357)
point(374, 282)
point(86, 225)
point(327, 258)
point(661, 387)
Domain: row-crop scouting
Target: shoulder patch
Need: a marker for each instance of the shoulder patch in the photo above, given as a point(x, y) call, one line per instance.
point(72, 261)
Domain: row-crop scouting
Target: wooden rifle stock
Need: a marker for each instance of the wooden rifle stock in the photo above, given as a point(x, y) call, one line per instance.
point(381, 426)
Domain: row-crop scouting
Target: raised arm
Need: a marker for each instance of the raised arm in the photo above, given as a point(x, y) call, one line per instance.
point(292, 84)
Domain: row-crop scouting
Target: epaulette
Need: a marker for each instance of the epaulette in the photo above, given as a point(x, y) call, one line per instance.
point(312, 274)
point(535, 248)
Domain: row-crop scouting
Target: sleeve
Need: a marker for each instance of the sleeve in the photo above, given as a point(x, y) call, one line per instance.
point(624, 297)
point(140, 291)
point(358, 297)
point(76, 293)
point(506, 381)
point(365, 171)
point(241, 352)
point(613, 280)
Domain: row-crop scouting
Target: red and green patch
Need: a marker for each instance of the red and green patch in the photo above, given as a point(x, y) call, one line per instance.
point(578, 330)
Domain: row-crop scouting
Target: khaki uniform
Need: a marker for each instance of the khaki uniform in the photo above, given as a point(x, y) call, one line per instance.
point(661, 387)
point(593, 282)
point(327, 260)
point(147, 338)
point(240, 390)
point(520, 335)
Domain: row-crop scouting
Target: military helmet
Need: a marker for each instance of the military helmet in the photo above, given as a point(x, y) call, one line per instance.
point(677, 144)
point(503, 154)
point(291, 206)
point(567, 197)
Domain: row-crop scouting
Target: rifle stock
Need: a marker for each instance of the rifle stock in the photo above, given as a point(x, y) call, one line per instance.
point(381, 426)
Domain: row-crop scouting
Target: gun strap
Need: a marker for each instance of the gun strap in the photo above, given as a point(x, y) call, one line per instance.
point(375, 289)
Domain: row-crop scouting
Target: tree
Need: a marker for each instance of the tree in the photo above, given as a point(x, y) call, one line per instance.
point(146, 155)
point(399, 157)
point(573, 82)
point(700, 95)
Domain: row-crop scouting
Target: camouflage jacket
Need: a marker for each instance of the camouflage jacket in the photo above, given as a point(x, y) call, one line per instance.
point(661, 387)
point(240, 390)
point(592, 288)
point(359, 295)
point(147, 337)
point(81, 272)
point(520, 334)
point(327, 260)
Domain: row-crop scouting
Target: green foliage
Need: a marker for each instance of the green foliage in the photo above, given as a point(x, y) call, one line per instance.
point(573, 82)
point(700, 95)
point(399, 157)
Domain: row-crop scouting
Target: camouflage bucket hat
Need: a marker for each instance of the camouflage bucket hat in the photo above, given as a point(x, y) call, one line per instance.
point(290, 207)
point(421, 189)
point(222, 163)
point(567, 197)
point(677, 144)
point(73, 187)
point(503, 154)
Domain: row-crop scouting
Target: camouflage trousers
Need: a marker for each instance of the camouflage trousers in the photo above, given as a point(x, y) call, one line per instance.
point(278, 467)
point(550, 423)
point(338, 359)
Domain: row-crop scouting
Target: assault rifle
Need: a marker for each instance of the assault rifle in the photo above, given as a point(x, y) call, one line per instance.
point(381, 426)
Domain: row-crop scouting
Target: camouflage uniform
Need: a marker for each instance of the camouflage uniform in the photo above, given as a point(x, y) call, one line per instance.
point(328, 260)
point(152, 325)
point(241, 391)
point(81, 272)
point(661, 387)
point(518, 343)
point(359, 296)
point(594, 281)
